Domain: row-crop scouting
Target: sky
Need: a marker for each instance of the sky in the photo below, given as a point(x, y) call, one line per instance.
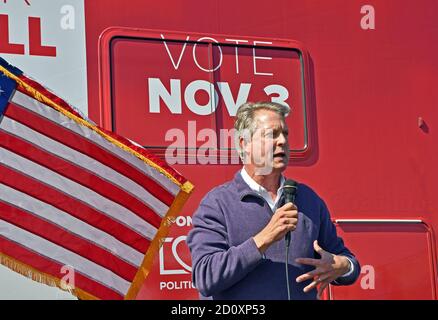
point(14, 286)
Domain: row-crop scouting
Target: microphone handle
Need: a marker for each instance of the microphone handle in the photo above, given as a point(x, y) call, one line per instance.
point(287, 237)
point(289, 199)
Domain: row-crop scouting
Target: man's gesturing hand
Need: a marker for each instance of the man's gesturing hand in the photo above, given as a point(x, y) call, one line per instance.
point(284, 219)
point(327, 269)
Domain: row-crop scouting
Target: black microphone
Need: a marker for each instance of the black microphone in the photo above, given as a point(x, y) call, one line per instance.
point(290, 191)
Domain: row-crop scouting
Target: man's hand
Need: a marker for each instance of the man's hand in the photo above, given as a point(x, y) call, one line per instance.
point(327, 269)
point(284, 219)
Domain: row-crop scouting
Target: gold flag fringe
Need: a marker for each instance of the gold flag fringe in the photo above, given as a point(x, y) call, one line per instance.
point(41, 277)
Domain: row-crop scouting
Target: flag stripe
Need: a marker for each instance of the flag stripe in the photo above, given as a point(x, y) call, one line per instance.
point(71, 170)
point(77, 209)
point(157, 184)
point(77, 191)
point(53, 268)
point(86, 163)
point(64, 256)
point(34, 224)
point(83, 145)
point(71, 224)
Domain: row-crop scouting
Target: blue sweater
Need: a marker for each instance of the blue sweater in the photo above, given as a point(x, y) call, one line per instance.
point(226, 262)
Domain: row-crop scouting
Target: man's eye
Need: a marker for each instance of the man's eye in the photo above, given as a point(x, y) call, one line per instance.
point(277, 134)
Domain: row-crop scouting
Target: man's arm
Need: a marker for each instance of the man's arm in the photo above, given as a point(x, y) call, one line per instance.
point(216, 265)
point(329, 241)
point(337, 265)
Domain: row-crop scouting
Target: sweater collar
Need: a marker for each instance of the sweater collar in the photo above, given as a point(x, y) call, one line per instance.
point(244, 189)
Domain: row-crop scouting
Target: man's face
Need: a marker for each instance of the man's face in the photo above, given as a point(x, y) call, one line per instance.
point(268, 149)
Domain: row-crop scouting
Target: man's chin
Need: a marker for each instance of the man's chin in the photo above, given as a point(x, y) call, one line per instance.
point(279, 167)
point(265, 171)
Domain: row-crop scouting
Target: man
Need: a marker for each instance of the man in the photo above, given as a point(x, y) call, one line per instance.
point(237, 242)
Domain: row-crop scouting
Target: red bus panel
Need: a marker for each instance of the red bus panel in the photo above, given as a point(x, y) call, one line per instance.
point(397, 259)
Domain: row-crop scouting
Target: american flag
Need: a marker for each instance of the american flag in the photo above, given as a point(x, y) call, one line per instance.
point(73, 194)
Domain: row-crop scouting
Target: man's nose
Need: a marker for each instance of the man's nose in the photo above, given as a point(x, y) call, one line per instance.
point(282, 139)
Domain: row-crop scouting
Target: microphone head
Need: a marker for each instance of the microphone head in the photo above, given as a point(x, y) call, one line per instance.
point(289, 190)
point(290, 186)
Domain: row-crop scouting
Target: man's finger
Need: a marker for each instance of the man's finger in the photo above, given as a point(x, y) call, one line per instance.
point(311, 286)
point(289, 206)
point(321, 290)
point(318, 280)
point(281, 229)
point(288, 220)
point(289, 215)
point(309, 261)
point(317, 247)
point(308, 275)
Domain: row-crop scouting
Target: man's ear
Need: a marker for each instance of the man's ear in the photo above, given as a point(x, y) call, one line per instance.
point(242, 148)
point(241, 143)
